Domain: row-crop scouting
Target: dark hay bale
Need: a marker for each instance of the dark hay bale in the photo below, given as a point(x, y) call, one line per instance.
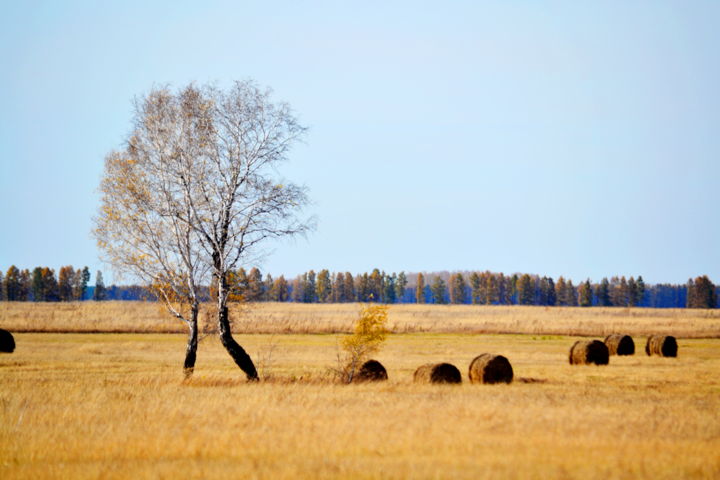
point(663, 345)
point(371, 371)
point(7, 342)
point(584, 352)
point(437, 373)
point(620, 344)
point(489, 368)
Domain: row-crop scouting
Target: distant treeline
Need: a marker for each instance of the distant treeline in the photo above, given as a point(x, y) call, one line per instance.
point(478, 288)
point(43, 285)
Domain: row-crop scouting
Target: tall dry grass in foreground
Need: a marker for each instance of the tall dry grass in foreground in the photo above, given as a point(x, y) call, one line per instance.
point(148, 317)
point(114, 406)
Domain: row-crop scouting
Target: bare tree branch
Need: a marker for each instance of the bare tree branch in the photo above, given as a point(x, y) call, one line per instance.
point(195, 193)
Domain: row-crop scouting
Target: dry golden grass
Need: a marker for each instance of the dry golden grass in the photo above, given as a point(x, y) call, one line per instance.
point(146, 317)
point(114, 406)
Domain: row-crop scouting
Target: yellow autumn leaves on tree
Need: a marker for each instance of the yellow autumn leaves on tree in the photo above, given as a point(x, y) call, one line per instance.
point(370, 332)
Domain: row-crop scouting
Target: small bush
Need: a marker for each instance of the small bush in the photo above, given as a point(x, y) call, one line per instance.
point(369, 334)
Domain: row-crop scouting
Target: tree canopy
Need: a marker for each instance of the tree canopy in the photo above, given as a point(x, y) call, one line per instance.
point(195, 192)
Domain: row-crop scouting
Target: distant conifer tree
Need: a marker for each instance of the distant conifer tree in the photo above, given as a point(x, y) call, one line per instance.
point(389, 293)
point(526, 290)
point(475, 285)
point(323, 286)
point(632, 292)
point(619, 294)
point(640, 290)
point(375, 286)
point(310, 284)
point(571, 293)
point(99, 293)
point(350, 292)
point(585, 294)
point(50, 285)
point(12, 284)
point(25, 285)
point(338, 288)
point(504, 292)
point(267, 286)
point(80, 283)
point(458, 286)
point(362, 287)
point(254, 289)
point(550, 295)
point(491, 288)
point(279, 291)
point(561, 291)
point(298, 288)
point(701, 293)
point(603, 293)
point(38, 286)
point(420, 289)
point(65, 283)
point(438, 290)
point(513, 288)
point(400, 286)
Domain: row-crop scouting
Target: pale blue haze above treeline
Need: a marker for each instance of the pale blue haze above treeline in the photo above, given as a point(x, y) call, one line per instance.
point(555, 138)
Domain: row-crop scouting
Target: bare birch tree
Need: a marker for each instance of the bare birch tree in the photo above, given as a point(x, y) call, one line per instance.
point(206, 195)
point(141, 225)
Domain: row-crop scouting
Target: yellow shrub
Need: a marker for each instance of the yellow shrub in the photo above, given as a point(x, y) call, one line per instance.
point(369, 334)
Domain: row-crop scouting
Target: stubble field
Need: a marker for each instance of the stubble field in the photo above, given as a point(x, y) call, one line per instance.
point(114, 405)
point(280, 318)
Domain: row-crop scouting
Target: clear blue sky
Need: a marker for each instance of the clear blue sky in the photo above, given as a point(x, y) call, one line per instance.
point(560, 138)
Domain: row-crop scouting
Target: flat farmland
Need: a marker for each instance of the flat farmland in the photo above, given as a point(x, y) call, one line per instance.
point(280, 318)
point(114, 405)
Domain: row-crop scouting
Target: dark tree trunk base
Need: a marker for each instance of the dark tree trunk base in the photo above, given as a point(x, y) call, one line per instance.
point(238, 354)
point(192, 344)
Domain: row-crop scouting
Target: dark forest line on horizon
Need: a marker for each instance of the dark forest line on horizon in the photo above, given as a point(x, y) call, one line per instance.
point(466, 287)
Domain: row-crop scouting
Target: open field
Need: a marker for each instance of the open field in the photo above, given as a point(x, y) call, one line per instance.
point(147, 317)
point(114, 406)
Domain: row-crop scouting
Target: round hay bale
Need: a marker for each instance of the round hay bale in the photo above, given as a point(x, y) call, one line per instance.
point(437, 373)
point(584, 352)
point(371, 371)
point(7, 342)
point(620, 344)
point(489, 368)
point(663, 345)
